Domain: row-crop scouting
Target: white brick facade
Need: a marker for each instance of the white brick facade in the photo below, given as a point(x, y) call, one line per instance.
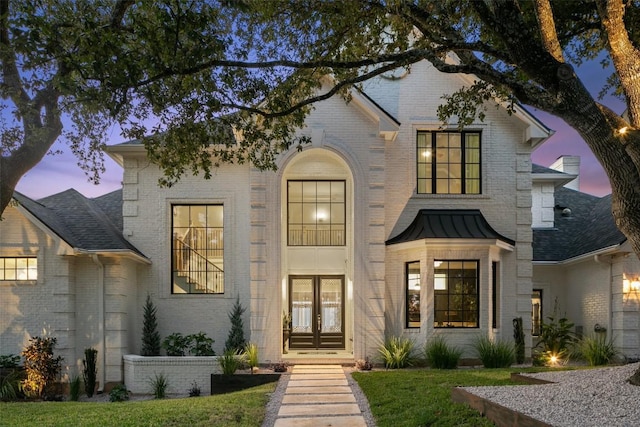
point(348, 144)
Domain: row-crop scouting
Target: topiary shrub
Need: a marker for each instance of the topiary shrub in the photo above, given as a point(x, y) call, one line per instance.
point(235, 341)
point(518, 336)
point(150, 336)
point(90, 371)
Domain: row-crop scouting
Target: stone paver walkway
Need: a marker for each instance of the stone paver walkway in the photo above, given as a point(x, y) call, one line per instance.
point(317, 396)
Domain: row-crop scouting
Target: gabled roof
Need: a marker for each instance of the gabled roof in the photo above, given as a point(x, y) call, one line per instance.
point(93, 225)
point(588, 228)
point(449, 224)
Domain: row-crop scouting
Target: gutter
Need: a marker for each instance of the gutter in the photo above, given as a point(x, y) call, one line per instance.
point(101, 322)
point(583, 257)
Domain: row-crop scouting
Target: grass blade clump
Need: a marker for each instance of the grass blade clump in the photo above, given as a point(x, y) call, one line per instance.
point(440, 355)
point(494, 353)
point(597, 350)
point(397, 353)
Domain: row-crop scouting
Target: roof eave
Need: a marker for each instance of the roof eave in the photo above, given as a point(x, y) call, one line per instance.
point(557, 178)
point(127, 253)
point(117, 152)
point(452, 242)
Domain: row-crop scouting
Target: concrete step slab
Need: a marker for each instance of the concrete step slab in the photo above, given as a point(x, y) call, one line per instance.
point(317, 371)
point(326, 409)
point(345, 421)
point(316, 383)
point(317, 376)
point(318, 398)
point(318, 390)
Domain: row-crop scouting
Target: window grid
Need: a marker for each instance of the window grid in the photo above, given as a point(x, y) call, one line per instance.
point(197, 250)
point(448, 162)
point(412, 276)
point(316, 213)
point(18, 269)
point(456, 300)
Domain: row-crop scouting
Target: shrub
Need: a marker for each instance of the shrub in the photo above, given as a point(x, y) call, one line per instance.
point(397, 352)
point(194, 391)
point(280, 367)
point(74, 388)
point(440, 355)
point(518, 336)
point(494, 353)
point(235, 341)
point(596, 350)
point(119, 393)
point(41, 367)
point(176, 344)
point(229, 362)
point(202, 344)
point(10, 386)
point(9, 361)
point(90, 371)
point(159, 386)
point(251, 355)
point(150, 335)
point(364, 364)
point(556, 341)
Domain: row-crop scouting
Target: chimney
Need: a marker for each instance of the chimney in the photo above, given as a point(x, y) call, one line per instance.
point(571, 166)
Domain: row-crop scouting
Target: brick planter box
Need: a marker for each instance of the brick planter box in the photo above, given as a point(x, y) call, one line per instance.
point(180, 371)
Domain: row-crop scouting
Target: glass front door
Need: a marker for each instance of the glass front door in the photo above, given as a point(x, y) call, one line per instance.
point(316, 304)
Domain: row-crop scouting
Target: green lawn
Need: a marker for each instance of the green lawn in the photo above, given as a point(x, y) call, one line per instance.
point(422, 397)
point(244, 408)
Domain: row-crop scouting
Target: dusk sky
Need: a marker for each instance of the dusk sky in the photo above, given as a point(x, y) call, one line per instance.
point(57, 173)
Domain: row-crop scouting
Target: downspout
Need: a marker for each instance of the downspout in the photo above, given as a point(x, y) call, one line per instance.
point(101, 322)
point(598, 259)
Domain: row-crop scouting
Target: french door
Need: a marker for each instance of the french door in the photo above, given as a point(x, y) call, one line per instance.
point(316, 304)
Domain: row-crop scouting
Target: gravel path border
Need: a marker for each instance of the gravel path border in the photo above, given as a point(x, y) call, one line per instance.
point(580, 398)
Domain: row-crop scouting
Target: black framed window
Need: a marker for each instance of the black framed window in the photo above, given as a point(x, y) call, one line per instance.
point(536, 312)
point(448, 162)
point(412, 277)
point(18, 269)
point(455, 288)
point(316, 213)
point(197, 249)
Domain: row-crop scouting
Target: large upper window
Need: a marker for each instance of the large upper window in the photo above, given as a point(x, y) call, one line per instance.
point(448, 162)
point(413, 294)
point(316, 213)
point(197, 254)
point(455, 288)
point(18, 269)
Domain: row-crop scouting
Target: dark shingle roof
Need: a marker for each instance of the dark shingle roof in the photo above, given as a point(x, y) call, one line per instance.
point(448, 224)
point(541, 169)
point(590, 227)
point(85, 224)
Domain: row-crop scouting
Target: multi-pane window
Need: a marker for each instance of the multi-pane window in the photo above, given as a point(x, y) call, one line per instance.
point(197, 250)
point(316, 213)
point(412, 275)
point(18, 268)
point(455, 288)
point(448, 162)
